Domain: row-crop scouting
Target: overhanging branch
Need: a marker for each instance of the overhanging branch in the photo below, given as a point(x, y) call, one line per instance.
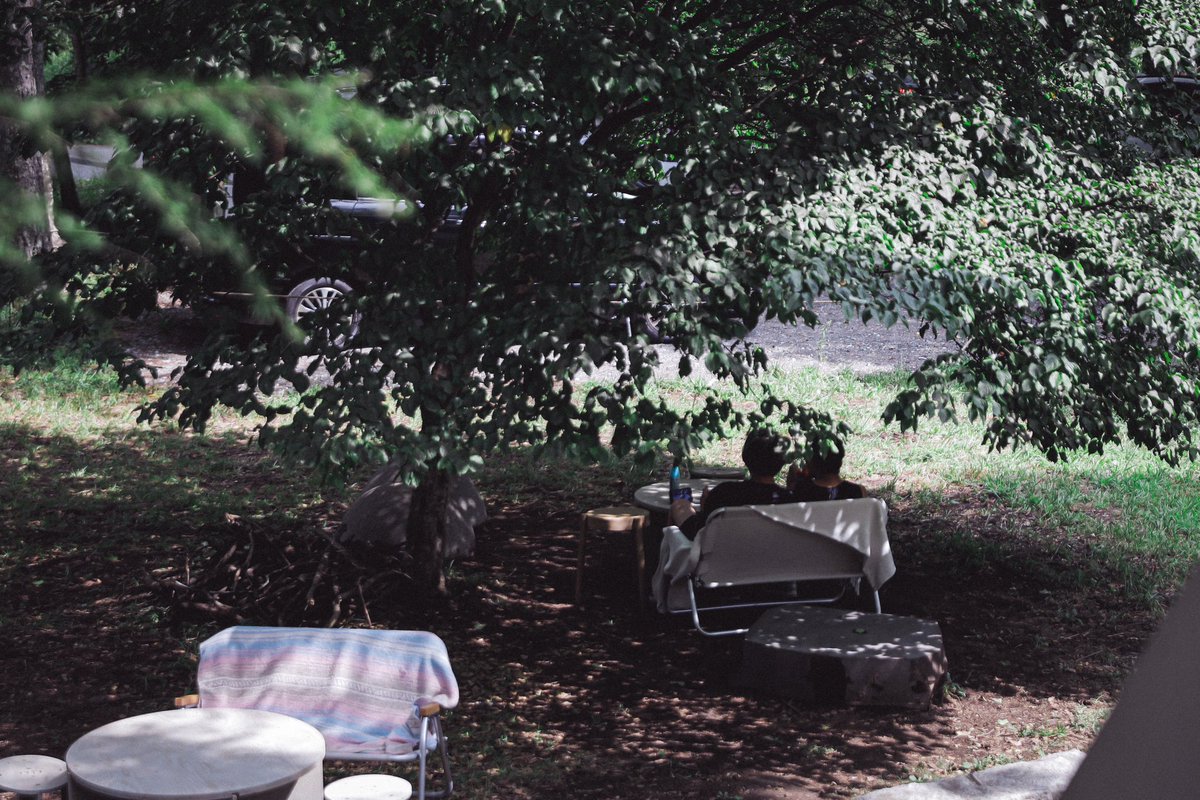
point(767, 38)
point(614, 121)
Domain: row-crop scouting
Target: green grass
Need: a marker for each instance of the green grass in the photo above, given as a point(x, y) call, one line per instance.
point(75, 465)
point(1126, 504)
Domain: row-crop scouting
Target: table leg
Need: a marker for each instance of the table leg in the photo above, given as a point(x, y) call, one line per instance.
point(639, 541)
point(310, 785)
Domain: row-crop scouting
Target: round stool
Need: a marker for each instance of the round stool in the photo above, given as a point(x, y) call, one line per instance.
point(616, 519)
point(32, 776)
point(369, 787)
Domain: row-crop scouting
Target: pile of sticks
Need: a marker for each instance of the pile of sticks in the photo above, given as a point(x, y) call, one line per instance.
point(266, 577)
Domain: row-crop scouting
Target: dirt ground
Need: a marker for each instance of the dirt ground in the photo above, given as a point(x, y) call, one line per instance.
point(610, 700)
point(1033, 668)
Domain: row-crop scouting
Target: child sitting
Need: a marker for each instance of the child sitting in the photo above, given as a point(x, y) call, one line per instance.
point(821, 478)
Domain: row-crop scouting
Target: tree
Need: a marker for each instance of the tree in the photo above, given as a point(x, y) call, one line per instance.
point(21, 64)
point(962, 163)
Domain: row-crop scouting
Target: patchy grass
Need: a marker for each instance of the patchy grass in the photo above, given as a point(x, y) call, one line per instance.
point(1137, 513)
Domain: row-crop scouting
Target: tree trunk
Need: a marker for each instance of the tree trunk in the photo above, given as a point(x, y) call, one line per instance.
point(79, 50)
point(68, 192)
point(21, 73)
point(427, 532)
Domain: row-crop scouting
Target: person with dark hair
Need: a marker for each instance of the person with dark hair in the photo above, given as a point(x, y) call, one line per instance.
point(821, 478)
point(764, 455)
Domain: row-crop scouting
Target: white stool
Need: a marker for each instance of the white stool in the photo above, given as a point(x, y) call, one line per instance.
point(369, 787)
point(32, 776)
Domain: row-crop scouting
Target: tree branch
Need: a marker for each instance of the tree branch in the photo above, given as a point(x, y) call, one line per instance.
point(701, 17)
point(770, 37)
point(613, 122)
point(510, 24)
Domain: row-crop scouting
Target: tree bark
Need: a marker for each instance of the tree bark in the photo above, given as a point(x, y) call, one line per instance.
point(427, 532)
point(21, 72)
point(68, 192)
point(79, 49)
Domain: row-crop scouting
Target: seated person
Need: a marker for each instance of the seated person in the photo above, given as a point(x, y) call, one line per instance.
point(821, 479)
point(763, 454)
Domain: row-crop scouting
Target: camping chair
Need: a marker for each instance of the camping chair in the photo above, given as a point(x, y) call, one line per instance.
point(742, 546)
point(374, 695)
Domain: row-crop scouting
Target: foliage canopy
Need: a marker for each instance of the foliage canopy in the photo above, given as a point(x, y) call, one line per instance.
point(964, 163)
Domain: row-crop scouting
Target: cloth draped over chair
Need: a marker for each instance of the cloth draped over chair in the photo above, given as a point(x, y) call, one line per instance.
point(360, 688)
point(737, 540)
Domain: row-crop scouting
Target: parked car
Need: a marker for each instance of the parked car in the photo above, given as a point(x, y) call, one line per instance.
point(1178, 96)
point(305, 284)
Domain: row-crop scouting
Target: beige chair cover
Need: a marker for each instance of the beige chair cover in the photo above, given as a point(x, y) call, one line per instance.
point(772, 544)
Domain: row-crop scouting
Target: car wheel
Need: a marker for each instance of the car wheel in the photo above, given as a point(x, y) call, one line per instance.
point(318, 294)
point(653, 330)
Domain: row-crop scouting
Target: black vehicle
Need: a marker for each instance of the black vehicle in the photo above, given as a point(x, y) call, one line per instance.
point(306, 283)
point(1177, 96)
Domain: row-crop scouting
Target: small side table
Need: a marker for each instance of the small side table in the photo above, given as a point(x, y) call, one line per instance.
point(615, 519)
point(656, 497)
point(32, 776)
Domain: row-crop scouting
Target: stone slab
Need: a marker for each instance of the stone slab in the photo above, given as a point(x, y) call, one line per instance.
point(1043, 779)
point(828, 655)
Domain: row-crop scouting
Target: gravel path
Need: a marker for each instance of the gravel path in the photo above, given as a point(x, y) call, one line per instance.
point(164, 338)
point(837, 344)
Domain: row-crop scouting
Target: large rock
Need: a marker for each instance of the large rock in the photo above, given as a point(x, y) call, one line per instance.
point(1043, 779)
point(380, 514)
point(828, 655)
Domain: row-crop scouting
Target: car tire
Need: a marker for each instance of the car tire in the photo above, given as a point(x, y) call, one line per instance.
point(651, 327)
point(317, 294)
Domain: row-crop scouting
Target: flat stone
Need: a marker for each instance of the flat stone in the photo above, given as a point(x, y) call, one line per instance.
point(1043, 779)
point(827, 655)
point(369, 787)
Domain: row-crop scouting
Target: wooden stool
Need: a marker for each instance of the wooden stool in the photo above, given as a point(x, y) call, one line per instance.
point(32, 776)
point(616, 519)
point(369, 787)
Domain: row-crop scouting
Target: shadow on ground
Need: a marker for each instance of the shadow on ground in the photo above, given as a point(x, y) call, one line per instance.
point(606, 699)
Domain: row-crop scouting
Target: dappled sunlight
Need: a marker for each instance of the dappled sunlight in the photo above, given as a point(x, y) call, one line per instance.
point(138, 481)
point(646, 693)
point(1036, 619)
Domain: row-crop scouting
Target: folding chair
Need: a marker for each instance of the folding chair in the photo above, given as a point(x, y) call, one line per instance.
point(744, 546)
point(375, 695)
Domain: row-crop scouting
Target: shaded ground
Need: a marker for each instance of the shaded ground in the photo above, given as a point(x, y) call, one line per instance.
point(603, 700)
point(653, 699)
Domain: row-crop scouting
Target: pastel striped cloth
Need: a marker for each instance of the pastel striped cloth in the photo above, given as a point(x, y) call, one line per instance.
point(360, 688)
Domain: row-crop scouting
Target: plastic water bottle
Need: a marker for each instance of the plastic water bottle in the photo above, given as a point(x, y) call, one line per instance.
point(674, 492)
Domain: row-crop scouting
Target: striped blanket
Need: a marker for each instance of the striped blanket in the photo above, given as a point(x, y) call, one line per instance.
point(360, 688)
